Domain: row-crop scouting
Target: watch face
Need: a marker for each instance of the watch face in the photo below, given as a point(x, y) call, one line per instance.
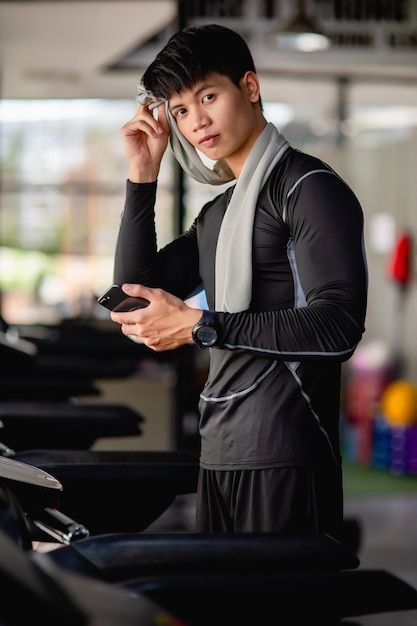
point(206, 335)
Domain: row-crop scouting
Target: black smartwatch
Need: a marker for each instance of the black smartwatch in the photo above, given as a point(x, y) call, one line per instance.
point(204, 332)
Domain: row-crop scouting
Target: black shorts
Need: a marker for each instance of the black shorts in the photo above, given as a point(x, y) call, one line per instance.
point(281, 500)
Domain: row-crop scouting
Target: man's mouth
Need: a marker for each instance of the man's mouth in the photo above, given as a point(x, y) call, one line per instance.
point(209, 141)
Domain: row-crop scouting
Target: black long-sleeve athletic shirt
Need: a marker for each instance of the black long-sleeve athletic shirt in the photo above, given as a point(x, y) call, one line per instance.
point(272, 397)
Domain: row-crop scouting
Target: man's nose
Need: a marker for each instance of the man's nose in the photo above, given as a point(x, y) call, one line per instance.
point(200, 120)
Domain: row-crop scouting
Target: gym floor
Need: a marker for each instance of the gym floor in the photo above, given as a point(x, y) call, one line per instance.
point(386, 508)
point(389, 542)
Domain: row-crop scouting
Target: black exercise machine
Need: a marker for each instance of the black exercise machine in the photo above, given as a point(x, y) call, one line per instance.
point(40, 406)
point(116, 491)
point(34, 588)
point(223, 579)
point(64, 425)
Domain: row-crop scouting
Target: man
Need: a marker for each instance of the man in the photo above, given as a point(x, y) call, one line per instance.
point(280, 256)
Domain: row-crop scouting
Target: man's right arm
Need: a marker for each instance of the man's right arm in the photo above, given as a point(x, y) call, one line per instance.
point(145, 140)
point(135, 255)
point(174, 268)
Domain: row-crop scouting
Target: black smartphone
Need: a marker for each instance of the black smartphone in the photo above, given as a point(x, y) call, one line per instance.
point(115, 299)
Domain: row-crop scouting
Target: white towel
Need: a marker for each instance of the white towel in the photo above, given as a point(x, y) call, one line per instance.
point(233, 274)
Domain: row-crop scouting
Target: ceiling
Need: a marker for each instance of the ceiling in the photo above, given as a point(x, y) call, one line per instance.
point(99, 49)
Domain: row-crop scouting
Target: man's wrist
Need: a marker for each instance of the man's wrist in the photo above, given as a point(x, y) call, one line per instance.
point(143, 175)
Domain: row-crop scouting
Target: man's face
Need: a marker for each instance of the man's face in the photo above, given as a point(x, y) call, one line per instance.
point(216, 116)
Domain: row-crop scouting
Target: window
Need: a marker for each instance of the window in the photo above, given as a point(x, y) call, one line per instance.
point(63, 173)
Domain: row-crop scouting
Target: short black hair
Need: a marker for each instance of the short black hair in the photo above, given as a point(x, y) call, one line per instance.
point(193, 53)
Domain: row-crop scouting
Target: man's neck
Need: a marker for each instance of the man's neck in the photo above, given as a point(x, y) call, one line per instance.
point(237, 160)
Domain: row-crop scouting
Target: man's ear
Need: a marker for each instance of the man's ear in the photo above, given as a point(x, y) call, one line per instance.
point(250, 83)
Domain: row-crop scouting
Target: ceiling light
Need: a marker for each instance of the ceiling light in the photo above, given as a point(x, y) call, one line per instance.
point(299, 33)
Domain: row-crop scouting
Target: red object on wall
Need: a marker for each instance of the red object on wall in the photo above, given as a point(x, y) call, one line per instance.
point(399, 268)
